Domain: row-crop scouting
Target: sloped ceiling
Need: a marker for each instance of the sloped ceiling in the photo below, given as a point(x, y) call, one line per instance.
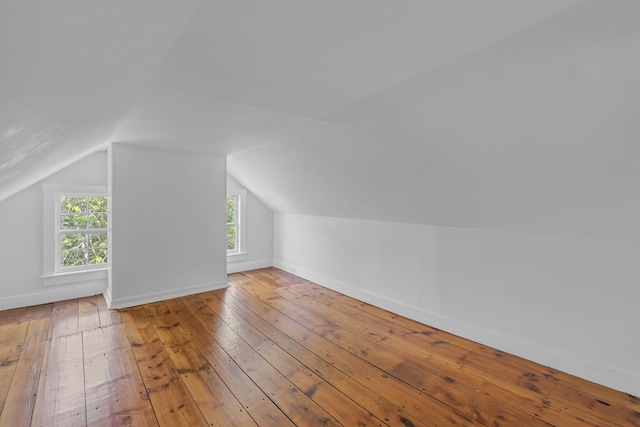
point(69, 72)
point(496, 114)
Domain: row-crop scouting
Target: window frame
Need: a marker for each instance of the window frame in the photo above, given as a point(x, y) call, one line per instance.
point(53, 271)
point(59, 232)
point(239, 253)
point(235, 223)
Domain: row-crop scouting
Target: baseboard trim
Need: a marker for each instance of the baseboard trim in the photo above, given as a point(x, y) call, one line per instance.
point(107, 296)
point(578, 366)
point(53, 294)
point(236, 267)
point(160, 296)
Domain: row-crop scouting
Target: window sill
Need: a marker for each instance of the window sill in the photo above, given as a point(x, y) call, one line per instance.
point(240, 256)
point(74, 277)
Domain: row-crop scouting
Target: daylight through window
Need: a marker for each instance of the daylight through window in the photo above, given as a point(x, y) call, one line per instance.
point(232, 224)
point(82, 231)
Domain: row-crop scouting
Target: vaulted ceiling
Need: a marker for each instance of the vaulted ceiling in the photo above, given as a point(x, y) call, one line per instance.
point(519, 116)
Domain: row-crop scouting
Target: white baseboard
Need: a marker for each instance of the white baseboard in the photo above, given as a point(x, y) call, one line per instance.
point(235, 267)
point(107, 296)
point(578, 366)
point(159, 296)
point(53, 294)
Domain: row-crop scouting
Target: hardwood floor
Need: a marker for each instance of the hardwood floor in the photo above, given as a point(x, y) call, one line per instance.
point(273, 350)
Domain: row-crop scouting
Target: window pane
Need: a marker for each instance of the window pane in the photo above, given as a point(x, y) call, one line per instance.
point(78, 215)
point(231, 237)
point(98, 220)
point(97, 240)
point(97, 255)
point(73, 241)
point(97, 204)
point(73, 258)
point(73, 221)
point(231, 210)
point(70, 204)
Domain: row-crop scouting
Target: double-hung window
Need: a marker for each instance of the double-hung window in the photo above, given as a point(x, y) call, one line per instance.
point(236, 224)
point(81, 231)
point(76, 231)
point(233, 225)
point(76, 247)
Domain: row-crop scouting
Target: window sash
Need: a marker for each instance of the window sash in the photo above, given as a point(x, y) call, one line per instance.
point(82, 230)
point(232, 224)
point(62, 254)
point(234, 217)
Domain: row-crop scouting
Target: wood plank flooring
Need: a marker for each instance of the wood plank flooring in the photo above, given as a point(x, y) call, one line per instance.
point(273, 350)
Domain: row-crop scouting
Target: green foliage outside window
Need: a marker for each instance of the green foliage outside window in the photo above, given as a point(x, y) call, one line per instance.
point(231, 210)
point(83, 230)
point(231, 237)
point(231, 223)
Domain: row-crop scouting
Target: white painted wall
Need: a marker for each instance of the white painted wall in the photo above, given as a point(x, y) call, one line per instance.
point(168, 223)
point(259, 233)
point(21, 239)
point(567, 302)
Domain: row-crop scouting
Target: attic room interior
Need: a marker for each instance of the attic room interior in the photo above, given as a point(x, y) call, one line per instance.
point(441, 196)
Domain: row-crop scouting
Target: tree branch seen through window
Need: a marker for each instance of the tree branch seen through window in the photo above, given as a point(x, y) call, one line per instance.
point(232, 224)
point(82, 230)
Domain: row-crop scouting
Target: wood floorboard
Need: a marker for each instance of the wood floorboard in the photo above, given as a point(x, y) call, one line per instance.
point(324, 394)
point(107, 317)
point(292, 401)
point(216, 402)
point(8, 317)
point(418, 369)
point(172, 403)
point(380, 407)
point(477, 363)
point(64, 318)
point(414, 403)
point(61, 393)
point(18, 406)
point(560, 381)
point(88, 316)
point(274, 349)
point(114, 390)
point(255, 401)
point(11, 346)
point(430, 368)
point(37, 312)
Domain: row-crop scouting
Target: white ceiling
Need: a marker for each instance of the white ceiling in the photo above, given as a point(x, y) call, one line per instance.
point(498, 114)
point(69, 72)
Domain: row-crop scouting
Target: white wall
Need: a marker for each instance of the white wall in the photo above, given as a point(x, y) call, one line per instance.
point(258, 228)
point(168, 223)
point(21, 239)
point(566, 302)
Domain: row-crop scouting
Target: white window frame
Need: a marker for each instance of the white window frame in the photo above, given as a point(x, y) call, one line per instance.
point(239, 253)
point(53, 272)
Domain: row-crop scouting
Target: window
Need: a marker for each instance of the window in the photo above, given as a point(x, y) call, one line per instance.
point(76, 229)
point(236, 214)
point(81, 231)
point(232, 225)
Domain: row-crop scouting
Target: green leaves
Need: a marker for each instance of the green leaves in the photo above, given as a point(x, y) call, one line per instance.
point(83, 230)
point(98, 220)
point(70, 204)
point(231, 210)
point(232, 227)
point(73, 221)
point(231, 237)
